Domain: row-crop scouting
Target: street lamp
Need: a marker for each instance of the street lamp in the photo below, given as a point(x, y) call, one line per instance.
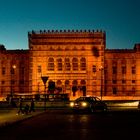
point(44, 79)
point(101, 91)
point(13, 67)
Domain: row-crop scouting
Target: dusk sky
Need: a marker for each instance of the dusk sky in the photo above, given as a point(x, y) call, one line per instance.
point(120, 19)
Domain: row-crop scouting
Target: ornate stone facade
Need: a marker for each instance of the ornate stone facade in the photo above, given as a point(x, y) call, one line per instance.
point(77, 61)
point(68, 58)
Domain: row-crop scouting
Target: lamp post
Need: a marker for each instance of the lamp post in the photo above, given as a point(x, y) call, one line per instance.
point(101, 91)
point(44, 79)
point(12, 70)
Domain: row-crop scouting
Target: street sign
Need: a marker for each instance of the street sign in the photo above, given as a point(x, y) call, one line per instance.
point(44, 79)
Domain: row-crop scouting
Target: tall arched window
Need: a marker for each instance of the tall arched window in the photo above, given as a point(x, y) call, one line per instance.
point(83, 87)
point(59, 64)
point(51, 64)
point(74, 82)
point(67, 64)
point(67, 83)
point(74, 64)
point(59, 83)
point(82, 64)
point(59, 86)
point(74, 87)
point(83, 82)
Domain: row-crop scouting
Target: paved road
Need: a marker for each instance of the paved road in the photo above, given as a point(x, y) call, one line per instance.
point(62, 125)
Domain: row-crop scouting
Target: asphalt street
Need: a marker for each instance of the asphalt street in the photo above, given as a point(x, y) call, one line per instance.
point(62, 124)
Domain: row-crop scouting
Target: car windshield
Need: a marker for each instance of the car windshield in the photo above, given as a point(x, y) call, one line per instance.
point(88, 99)
point(97, 99)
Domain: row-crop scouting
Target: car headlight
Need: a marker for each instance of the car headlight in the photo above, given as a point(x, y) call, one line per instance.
point(71, 104)
point(84, 104)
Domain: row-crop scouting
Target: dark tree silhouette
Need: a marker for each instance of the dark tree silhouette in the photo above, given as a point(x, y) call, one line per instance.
point(74, 89)
point(95, 51)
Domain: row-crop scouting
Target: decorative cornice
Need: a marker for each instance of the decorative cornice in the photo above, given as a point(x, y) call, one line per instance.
point(65, 43)
point(64, 31)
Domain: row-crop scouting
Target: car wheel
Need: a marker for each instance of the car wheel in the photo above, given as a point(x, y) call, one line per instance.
point(92, 110)
point(104, 109)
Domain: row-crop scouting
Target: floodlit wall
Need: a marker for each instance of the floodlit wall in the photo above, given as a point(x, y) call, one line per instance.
point(76, 60)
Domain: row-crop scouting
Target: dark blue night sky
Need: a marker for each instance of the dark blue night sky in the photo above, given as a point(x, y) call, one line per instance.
point(119, 18)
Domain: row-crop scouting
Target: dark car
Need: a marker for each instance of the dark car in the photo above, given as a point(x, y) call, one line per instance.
point(90, 104)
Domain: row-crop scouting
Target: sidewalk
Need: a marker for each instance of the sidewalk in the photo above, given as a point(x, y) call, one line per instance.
point(8, 117)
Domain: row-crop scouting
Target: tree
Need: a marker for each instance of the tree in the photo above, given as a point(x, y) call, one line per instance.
point(95, 51)
point(74, 89)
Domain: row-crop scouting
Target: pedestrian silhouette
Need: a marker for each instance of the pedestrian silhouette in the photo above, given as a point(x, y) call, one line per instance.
point(32, 107)
point(13, 104)
point(20, 106)
point(26, 109)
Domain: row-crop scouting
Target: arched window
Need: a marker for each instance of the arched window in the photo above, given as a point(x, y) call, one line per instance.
point(51, 48)
point(51, 64)
point(82, 64)
point(74, 64)
point(83, 48)
point(83, 87)
point(74, 48)
point(74, 83)
point(67, 64)
point(59, 83)
point(59, 86)
point(83, 82)
point(59, 64)
point(59, 48)
point(74, 87)
point(67, 83)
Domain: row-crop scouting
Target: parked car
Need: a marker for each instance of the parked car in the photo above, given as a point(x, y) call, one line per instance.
point(90, 104)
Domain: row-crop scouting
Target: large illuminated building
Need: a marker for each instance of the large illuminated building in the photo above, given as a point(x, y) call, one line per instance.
point(77, 62)
point(14, 71)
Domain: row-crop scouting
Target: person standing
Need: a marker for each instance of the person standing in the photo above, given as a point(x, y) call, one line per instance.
point(20, 106)
point(32, 107)
point(26, 109)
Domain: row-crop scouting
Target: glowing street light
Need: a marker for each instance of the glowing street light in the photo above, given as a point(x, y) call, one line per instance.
point(12, 69)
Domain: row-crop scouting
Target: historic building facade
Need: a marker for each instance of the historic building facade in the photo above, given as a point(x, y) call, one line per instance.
point(76, 61)
point(122, 72)
point(14, 69)
point(71, 59)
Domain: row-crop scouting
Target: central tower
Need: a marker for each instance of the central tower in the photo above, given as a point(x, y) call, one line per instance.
point(72, 59)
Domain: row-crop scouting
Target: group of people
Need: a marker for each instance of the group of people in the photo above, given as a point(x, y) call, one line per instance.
point(26, 109)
